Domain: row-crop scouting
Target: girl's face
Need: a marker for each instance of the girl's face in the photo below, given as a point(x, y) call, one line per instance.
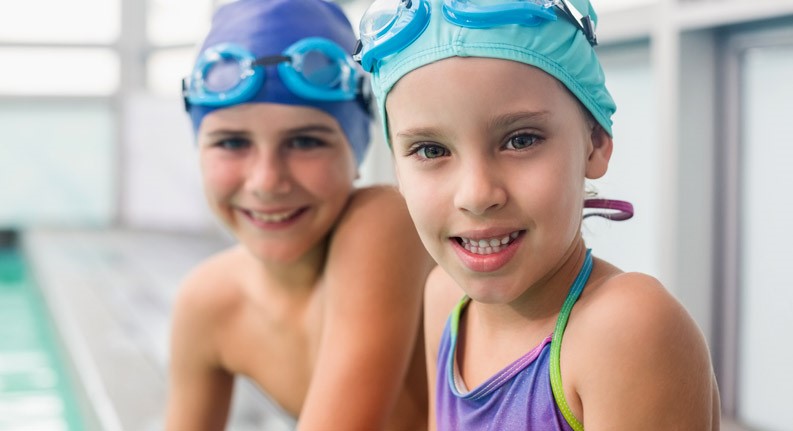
point(278, 176)
point(491, 156)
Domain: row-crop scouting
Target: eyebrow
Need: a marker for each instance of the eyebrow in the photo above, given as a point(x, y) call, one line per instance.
point(509, 119)
point(226, 132)
point(419, 132)
point(500, 121)
point(309, 128)
point(321, 128)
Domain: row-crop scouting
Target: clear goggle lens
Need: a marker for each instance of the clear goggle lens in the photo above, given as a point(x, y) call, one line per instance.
point(320, 70)
point(486, 4)
point(223, 75)
point(378, 18)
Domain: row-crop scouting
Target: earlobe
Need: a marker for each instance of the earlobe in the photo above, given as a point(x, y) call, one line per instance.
point(600, 153)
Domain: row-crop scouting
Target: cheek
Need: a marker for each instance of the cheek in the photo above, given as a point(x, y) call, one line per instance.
point(325, 177)
point(424, 198)
point(219, 177)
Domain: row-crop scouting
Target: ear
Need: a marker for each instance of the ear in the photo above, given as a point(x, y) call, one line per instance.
point(601, 145)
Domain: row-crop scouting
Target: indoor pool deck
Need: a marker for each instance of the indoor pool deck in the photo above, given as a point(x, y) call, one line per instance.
point(110, 295)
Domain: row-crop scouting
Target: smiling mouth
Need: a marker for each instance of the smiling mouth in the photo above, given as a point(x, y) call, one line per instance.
point(485, 246)
point(276, 217)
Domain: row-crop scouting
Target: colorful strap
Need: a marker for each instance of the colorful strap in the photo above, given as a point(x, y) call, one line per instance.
point(617, 210)
point(556, 342)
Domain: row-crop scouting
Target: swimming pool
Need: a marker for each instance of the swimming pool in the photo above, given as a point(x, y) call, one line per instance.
point(36, 391)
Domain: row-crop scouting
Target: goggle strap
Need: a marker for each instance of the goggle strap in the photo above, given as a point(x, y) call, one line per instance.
point(185, 94)
point(364, 95)
point(583, 22)
point(356, 52)
point(272, 60)
point(588, 27)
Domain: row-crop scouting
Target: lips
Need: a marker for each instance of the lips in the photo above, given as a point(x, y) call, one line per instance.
point(487, 245)
point(487, 253)
point(274, 219)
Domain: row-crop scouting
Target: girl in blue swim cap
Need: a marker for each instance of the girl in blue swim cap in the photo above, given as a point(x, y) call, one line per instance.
point(497, 113)
point(319, 304)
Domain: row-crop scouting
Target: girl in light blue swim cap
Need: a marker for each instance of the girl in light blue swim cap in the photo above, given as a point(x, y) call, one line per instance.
point(497, 113)
point(319, 304)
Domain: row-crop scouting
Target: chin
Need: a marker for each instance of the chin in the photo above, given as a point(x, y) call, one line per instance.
point(489, 289)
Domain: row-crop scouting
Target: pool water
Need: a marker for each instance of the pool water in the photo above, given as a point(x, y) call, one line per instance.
point(35, 389)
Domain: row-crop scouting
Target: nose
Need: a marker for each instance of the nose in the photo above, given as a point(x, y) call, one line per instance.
point(268, 174)
point(480, 188)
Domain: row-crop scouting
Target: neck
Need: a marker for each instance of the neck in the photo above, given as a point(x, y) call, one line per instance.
point(538, 307)
point(296, 277)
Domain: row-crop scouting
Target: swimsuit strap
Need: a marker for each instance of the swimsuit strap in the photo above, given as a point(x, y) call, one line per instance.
point(556, 343)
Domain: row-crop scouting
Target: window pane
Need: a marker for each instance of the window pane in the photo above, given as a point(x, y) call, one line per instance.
point(605, 5)
point(57, 21)
point(165, 70)
point(766, 302)
point(56, 164)
point(67, 71)
point(162, 186)
point(178, 21)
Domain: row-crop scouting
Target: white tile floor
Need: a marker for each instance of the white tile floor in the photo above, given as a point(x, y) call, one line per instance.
point(110, 295)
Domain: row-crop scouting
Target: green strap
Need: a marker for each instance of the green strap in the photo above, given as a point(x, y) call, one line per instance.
point(556, 342)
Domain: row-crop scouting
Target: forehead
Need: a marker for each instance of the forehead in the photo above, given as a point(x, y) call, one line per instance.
point(454, 89)
point(266, 117)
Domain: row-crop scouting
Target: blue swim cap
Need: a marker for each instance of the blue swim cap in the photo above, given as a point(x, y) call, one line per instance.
point(268, 27)
point(557, 47)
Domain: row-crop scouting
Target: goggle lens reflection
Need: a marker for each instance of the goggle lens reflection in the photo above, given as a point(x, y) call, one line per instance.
point(223, 75)
point(320, 70)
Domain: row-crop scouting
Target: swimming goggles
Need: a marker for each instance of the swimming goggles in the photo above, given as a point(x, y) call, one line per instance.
point(389, 26)
point(312, 68)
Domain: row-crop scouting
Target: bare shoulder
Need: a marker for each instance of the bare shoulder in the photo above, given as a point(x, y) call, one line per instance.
point(634, 309)
point(212, 290)
point(377, 235)
point(376, 205)
point(646, 357)
point(637, 304)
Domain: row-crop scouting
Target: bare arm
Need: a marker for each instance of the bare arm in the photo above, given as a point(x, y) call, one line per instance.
point(647, 367)
point(199, 389)
point(441, 295)
point(376, 269)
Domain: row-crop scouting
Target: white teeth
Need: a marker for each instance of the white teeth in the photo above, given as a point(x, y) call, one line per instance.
point(487, 246)
point(272, 217)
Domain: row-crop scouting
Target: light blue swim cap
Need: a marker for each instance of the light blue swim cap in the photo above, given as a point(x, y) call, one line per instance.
point(557, 47)
point(268, 27)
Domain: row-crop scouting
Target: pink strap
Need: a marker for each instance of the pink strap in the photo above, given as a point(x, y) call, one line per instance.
point(616, 210)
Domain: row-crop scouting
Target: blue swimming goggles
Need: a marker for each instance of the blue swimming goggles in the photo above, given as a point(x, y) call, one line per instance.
point(388, 26)
point(312, 68)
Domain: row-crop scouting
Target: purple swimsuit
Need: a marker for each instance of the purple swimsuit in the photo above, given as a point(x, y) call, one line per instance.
point(519, 397)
